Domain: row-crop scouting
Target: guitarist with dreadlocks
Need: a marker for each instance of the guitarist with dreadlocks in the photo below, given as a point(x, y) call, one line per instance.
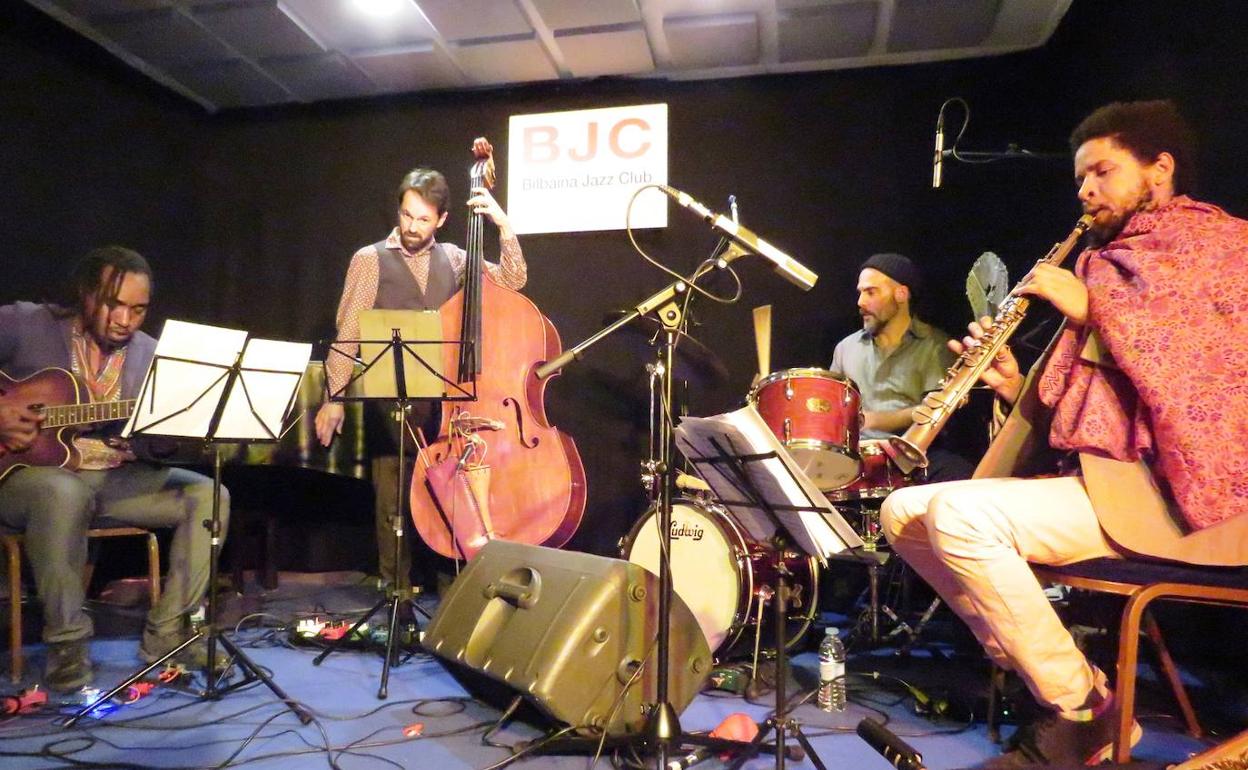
point(54, 487)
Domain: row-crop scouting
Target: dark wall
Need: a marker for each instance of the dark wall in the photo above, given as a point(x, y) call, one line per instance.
point(251, 217)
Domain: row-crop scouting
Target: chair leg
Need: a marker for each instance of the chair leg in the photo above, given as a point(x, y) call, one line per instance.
point(1128, 658)
point(15, 609)
point(1172, 675)
point(153, 567)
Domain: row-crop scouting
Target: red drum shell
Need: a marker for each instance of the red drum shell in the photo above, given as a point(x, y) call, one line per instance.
point(816, 415)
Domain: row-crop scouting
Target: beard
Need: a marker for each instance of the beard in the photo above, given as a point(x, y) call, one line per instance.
point(1105, 230)
point(414, 244)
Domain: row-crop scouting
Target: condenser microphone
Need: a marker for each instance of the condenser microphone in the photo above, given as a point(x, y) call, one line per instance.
point(898, 753)
point(785, 265)
point(938, 158)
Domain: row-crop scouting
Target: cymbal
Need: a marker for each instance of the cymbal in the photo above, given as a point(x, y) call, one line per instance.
point(694, 360)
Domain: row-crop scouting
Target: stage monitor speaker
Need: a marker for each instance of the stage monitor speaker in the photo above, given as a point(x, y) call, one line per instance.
point(574, 633)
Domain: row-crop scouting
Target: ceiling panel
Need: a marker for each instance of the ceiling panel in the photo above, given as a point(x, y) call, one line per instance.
point(476, 19)
point(96, 8)
point(511, 61)
point(416, 68)
point(307, 50)
point(232, 84)
point(339, 24)
point(258, 30)
point(328, 76)
point(616, 52)
point(561, 14)
point(920, 25)
point(165, 38)
point(827, 31)
point(698, 42)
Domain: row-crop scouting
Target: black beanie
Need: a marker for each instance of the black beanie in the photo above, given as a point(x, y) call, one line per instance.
point(897, 267)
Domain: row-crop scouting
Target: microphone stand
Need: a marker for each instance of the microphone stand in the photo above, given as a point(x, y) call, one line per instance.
point(662, 731)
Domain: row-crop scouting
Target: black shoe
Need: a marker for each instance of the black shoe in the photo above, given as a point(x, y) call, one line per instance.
point(68, 667)
point(1053, 740)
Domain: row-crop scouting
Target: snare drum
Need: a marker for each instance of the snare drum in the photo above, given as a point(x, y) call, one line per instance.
point(721, 574)
point(815, 414)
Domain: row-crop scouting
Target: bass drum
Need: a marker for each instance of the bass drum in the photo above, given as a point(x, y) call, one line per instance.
point(725, 577)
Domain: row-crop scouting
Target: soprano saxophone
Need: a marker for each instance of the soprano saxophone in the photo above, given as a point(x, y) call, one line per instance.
point(909, 451)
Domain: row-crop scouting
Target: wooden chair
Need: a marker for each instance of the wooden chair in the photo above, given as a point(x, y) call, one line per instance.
point(1142, 583)
point(13, 548)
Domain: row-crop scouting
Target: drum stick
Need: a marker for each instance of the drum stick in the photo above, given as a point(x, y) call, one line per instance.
point(762, 338)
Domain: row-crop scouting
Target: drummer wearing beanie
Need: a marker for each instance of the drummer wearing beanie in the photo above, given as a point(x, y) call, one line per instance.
point(896, 358)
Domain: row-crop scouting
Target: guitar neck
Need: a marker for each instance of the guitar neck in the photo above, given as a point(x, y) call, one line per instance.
point(85, 414)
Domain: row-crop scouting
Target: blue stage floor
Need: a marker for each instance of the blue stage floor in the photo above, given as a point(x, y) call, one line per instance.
point(353, 729)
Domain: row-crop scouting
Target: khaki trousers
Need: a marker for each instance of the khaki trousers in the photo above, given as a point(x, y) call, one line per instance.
point(972, 541)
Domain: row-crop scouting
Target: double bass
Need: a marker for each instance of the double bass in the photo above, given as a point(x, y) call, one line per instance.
point(498, 469)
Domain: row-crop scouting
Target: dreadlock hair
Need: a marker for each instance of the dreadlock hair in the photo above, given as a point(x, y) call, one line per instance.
point(88, 279)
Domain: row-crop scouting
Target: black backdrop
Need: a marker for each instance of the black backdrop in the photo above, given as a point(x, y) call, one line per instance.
point(250, 217)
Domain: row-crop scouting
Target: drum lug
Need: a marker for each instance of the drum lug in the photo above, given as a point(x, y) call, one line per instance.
point(788, 430)
point(788, 390)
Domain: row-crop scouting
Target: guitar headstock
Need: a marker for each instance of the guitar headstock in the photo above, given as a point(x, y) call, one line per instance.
point(483, 174)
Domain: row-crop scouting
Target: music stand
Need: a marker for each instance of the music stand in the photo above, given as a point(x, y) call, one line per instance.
point(217, 386)
point(427, 383)
point(766, 492)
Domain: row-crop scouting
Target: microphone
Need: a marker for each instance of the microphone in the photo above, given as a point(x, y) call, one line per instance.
point(689, 760)
point(469, 448)
point(938, 158)
point(785, 265)
point(899, 753)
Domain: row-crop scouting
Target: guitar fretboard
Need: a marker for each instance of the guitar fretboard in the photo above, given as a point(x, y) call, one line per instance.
point(79, 414)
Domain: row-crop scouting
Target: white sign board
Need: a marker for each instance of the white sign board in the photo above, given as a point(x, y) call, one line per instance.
point(576, 171)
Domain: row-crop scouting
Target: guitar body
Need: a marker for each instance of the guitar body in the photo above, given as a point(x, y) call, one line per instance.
point(52, 446)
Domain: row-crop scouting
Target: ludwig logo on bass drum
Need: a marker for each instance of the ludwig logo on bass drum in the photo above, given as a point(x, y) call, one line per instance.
point(691, 531)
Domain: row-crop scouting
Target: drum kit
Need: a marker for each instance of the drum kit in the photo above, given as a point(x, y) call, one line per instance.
point(719, 570)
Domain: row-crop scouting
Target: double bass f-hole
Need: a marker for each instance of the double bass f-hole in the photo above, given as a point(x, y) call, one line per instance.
point(514, 404)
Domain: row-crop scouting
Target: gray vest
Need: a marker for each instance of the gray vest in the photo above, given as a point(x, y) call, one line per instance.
point(397, 288)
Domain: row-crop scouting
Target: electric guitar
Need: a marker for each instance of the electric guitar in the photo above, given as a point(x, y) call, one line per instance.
point(65, 405)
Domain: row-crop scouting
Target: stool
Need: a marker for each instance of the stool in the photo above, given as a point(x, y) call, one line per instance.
point(13, 548)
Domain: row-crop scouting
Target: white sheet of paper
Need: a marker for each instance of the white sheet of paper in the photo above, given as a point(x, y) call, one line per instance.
point(778, 480)
point(267, 392)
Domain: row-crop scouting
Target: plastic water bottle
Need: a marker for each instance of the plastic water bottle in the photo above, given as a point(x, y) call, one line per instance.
point(831, 672)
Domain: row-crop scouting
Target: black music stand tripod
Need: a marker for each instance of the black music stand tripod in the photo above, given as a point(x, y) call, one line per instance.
point(732, 464)
point(233, 388)
point(394, 350)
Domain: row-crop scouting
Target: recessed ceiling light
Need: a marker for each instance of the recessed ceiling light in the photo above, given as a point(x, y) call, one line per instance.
point(379, 8)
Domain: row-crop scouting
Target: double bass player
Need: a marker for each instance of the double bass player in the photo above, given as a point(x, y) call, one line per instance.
point(408, 270)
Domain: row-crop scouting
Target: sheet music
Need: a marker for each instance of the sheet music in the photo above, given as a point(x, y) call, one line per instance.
point(778, 480)
point(187, 378)
point(268, 392)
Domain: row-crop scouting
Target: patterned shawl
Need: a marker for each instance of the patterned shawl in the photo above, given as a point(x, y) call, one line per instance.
point(1169, 299)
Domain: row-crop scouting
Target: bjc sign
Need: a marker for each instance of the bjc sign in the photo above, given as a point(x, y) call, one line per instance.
point(578, 171)
point(627, 138)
